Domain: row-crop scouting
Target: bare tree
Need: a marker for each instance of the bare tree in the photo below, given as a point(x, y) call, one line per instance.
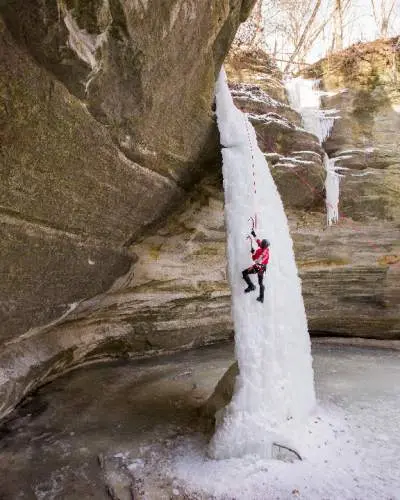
point(299, 31)
point(251, 32)
point(303, 36)
point(382, 11)
point(338, 26)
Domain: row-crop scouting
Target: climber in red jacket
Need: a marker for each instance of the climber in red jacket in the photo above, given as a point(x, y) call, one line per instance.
point(260, 258)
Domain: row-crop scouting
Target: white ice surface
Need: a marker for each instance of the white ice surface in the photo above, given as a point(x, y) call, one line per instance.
point(305, 98)
point(274, 393)
point(84, 44)
point(350, 446)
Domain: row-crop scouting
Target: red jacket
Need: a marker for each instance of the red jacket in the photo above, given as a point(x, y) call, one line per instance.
point(261, 255)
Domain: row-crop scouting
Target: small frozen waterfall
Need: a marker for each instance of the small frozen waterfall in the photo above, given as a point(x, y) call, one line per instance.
point(305, 97)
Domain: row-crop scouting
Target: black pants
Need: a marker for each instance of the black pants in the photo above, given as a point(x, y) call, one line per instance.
point(256, 269)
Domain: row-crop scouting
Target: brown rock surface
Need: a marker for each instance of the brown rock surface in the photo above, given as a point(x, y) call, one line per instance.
point(101, 134)
point(176, 296)
point(293, 153)
point(363, 82)
point(357, 262)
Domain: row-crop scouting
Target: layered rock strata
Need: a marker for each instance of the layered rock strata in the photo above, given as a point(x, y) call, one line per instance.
point(362, 84)
point(351, 270)
point(175, 294)
point(102, 136)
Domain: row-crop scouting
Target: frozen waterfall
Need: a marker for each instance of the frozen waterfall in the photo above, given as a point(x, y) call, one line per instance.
point(275, 388)
point(305, 98)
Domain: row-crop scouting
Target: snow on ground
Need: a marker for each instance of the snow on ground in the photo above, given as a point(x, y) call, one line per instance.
point(351, 451)
point(350, 446)
point(253, 92)
point(330, 458)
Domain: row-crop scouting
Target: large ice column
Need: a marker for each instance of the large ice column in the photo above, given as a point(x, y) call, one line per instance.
point(275, 385)
point(305, 97)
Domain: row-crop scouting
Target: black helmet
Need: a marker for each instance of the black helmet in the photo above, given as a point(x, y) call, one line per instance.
point(264, 243)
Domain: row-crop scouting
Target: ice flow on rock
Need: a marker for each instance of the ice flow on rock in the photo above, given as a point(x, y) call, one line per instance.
point(275, 387)
point(305, 97)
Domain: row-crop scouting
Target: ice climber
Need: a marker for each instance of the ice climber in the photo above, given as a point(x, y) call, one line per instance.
point(260, 258)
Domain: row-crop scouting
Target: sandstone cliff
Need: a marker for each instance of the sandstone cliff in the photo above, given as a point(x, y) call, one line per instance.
point(91, 195)
point(363, 85)
point(101, 135)
point(106, 113)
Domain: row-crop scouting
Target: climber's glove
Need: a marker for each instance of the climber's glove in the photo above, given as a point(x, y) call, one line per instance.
point(252, 250)
point(253, 233)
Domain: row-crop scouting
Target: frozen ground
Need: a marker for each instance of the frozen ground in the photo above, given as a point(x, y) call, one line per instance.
point(131, 427)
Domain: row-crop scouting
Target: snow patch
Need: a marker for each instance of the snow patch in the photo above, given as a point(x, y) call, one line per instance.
point(254, 93)
point(356, 151)
point(330, 459)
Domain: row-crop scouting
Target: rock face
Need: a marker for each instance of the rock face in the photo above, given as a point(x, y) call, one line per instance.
point(101, 135)
point(89, 195)
point(363, 85)
point(350, 271)
point(364, 249)
point(295, 155)
point(176, 296)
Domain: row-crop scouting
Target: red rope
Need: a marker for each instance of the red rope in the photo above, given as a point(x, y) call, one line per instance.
point(253, 169)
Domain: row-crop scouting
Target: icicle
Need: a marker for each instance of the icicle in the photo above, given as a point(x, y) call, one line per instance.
point(275, 386)
point(332, 191)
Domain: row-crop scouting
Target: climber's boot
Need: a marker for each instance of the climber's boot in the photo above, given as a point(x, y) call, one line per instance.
point(261, 297)
point(246, 278)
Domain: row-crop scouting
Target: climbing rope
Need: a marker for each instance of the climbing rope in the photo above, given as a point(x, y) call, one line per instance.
point(252, 219)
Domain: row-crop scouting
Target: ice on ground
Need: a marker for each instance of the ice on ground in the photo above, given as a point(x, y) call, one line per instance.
point(330, 456)
point(350, 444)
point(275, 389)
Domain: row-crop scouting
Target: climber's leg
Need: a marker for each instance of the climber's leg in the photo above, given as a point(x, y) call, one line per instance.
point(245, 275)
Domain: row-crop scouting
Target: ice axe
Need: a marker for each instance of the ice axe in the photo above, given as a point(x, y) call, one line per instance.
point(253, 222)
point(251, 243)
